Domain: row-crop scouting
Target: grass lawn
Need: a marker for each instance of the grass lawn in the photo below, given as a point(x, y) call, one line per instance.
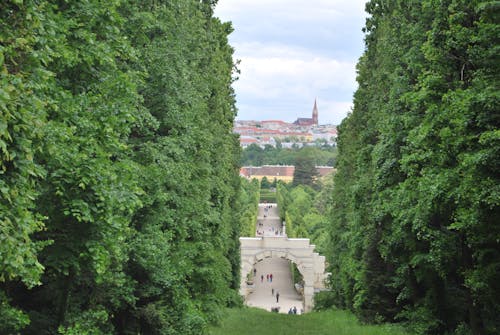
point(259, 322)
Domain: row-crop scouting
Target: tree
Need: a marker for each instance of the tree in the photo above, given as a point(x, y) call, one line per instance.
point(264, 183)
point(247, 207)
point(107, 167)
point(407, 240)
point(254, 155)
point(305, 172)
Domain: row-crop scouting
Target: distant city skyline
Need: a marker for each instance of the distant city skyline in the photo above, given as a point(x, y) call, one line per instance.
point(293, 52)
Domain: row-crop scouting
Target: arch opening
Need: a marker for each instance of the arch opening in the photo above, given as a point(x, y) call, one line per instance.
point(298, 251)
point(272, 280)
point(306, 290)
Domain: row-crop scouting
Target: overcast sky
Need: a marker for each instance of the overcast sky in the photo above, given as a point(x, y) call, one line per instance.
point(293, 51)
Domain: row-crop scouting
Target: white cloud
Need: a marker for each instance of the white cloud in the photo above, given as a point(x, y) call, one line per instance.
point(279, 70)
point(333, 111)
point(292, 51)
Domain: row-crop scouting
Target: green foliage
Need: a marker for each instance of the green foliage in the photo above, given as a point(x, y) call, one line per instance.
point(324, 300)
point(248, 206)
point(267, 195)
point(11, 319)
point(296, 275)
point(92, 322)
point(24, 83)
point(304, 211)
point(264, 183)
point(305, 172)
point(413, 216)
point(254, 155)
point(118, 159)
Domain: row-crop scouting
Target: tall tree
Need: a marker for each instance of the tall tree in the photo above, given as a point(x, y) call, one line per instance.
point(408, 240)
point(24, 85)
point(305, 172)
point(119, 114)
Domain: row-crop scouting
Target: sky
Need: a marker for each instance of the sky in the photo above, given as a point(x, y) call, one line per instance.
point(292, 52)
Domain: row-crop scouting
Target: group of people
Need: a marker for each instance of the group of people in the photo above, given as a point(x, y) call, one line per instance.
point(266, 209)
point(261, 231)
point(269, 277)
point(260, 224)
point(275, 293)
point(276, 232)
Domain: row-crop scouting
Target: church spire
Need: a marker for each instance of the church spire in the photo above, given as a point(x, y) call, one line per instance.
point(315, 113)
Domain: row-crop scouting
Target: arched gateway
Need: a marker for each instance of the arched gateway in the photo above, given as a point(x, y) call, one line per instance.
point(298, 250)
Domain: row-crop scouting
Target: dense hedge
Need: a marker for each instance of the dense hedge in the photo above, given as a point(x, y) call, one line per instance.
point(118, 167)
point(415, 218)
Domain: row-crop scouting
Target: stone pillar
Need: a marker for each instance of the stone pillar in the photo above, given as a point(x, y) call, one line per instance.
point(308, 277)
point(308, 298)
point(246, 268)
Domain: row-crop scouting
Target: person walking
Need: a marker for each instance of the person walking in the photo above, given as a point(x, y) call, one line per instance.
point(272, 291)
point(271, 277)
point(261, 278)
point(277, 297)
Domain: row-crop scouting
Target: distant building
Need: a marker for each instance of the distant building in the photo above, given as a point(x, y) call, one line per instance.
point(271, 172)
point(245, 141)
point(278, 172)
point(304, 131)
point(330, 135)
point(274, 124)
point(308, 122)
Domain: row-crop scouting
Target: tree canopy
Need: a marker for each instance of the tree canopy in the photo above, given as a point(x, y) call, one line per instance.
point(415, 212)
point(119, 169)
point(254, 155)
point(305, 172)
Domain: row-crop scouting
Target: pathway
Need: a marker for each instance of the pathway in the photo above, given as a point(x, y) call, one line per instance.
point(269, 224)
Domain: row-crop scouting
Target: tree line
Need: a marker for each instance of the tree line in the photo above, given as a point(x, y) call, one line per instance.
point(118, 167)
point(414, 217)
point(254, 155)
point(248, 206)
point(304, 210)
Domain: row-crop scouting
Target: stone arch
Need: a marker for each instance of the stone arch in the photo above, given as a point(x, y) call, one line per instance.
point(281, 254)
point(299, 251)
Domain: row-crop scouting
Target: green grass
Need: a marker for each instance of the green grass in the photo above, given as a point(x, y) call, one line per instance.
point(246, 321)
